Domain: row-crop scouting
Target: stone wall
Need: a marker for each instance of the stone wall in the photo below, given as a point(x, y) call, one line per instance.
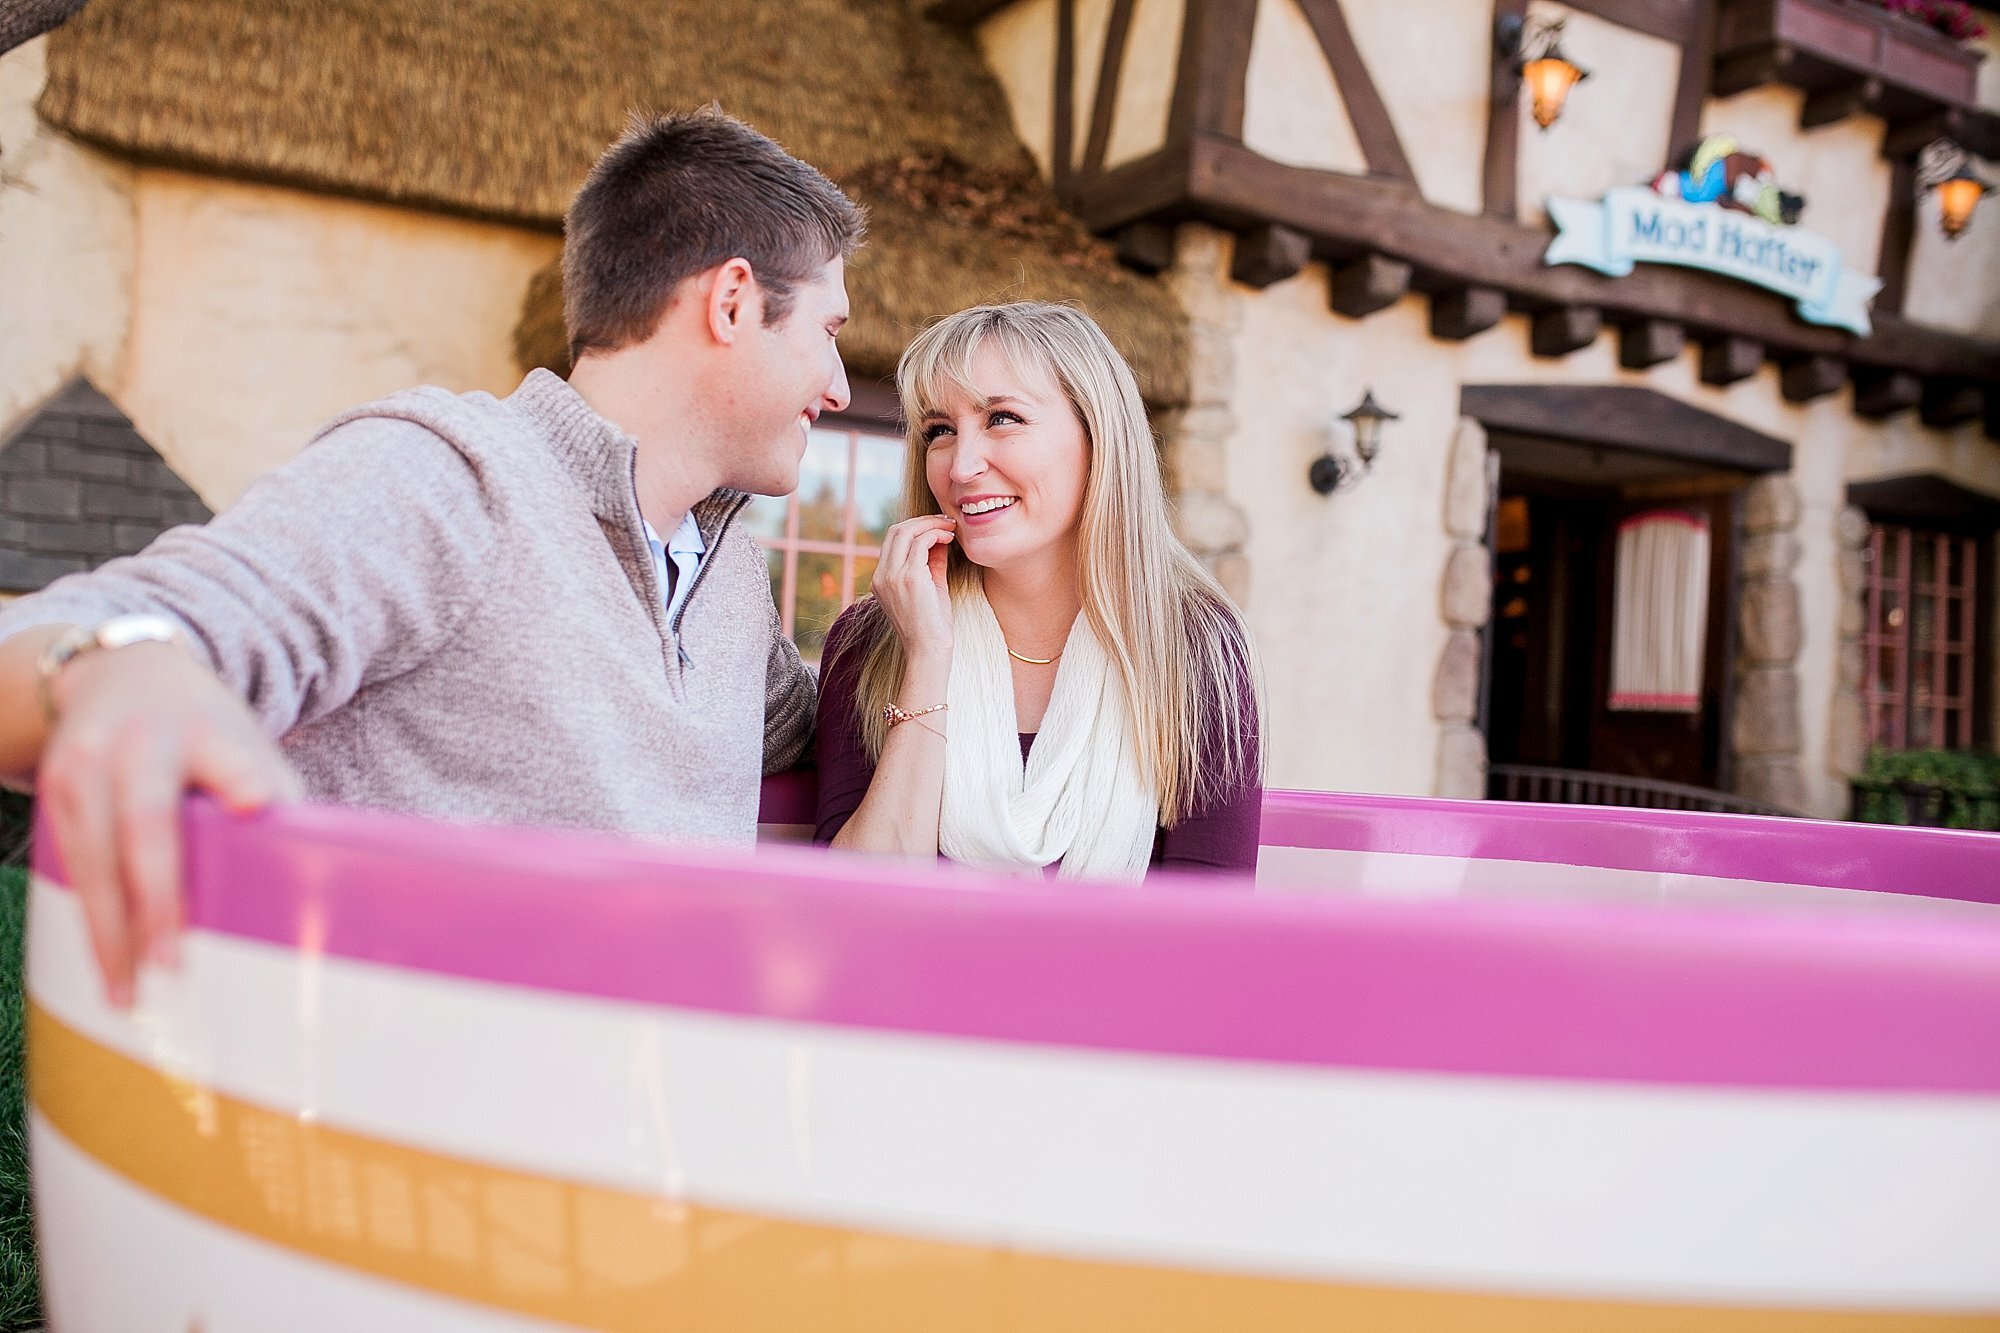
point(1847, 730)
point(1197, 438)
point(1467, 604)
point(1765, 735)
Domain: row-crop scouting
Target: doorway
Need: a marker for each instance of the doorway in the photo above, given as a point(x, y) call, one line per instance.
point(1555, 538)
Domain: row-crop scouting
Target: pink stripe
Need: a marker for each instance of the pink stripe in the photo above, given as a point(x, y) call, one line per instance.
point(1629, 699)
point(1561, 990)
point(1937, 863)
point(1679, 516)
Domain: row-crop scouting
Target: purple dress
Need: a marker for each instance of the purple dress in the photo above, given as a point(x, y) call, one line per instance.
point(1222, 837)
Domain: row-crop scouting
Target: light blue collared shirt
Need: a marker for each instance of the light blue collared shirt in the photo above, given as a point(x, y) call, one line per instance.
point(686, 549)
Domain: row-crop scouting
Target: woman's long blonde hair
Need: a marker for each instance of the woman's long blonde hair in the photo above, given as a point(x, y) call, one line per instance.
point(1177, 643)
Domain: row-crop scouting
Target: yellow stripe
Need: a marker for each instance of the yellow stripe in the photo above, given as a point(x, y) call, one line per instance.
point(617, 1261)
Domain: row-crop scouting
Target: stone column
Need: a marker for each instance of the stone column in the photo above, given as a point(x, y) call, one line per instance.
point(1196, 439)
point(1765, 735)
point(1847, 748)
point(1466, 605)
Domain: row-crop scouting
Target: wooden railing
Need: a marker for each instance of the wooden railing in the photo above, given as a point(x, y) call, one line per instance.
point(1570, 786)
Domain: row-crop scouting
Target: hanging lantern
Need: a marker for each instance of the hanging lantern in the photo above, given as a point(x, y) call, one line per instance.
point(1538, 58)
point(1945, 169)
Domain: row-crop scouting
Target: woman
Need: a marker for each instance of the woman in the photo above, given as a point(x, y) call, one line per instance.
point(1043, 676)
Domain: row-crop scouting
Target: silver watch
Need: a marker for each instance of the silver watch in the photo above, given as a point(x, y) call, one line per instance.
point(117, 632)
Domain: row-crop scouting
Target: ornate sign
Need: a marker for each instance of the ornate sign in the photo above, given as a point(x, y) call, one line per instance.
point(1722, 214)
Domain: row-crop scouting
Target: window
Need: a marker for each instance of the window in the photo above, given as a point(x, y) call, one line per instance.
point(1919, 646)
point(822, 540)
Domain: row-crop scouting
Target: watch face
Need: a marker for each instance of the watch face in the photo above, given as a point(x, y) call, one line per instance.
point(121, 631)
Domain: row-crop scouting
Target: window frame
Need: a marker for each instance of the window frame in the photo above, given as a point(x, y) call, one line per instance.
point(1958, 721)
point(872, 411)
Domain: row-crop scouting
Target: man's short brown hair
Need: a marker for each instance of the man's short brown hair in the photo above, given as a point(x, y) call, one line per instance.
point(675, 196)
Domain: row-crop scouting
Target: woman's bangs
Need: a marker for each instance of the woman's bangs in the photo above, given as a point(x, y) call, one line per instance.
point(938, 371)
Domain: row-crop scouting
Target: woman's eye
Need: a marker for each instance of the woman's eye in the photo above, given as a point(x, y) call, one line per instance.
point(934, 430)
point(1003, 418)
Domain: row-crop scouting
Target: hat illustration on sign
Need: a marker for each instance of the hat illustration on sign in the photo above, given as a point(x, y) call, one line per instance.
point(1720, 172)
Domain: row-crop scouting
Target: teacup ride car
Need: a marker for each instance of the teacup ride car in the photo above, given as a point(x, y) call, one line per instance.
point(1443, 1066)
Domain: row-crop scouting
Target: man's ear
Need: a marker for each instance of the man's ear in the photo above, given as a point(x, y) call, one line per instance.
point(733, 300)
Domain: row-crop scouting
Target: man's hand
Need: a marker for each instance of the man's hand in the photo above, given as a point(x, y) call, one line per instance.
point(136, 729)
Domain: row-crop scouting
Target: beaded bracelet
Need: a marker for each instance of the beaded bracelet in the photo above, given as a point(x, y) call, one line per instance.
point(895, 716)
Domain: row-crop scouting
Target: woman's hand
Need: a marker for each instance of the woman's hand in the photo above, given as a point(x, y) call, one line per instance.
point(909, 582)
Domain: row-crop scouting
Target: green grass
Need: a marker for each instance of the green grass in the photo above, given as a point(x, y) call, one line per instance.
point(20, 1295)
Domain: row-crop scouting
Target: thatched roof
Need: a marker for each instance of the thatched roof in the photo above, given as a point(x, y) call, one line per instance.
point(496, 108)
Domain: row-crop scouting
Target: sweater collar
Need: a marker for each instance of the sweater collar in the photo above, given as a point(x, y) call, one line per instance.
point(600, 455)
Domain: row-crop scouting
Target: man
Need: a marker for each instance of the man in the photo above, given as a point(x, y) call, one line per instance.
point(538, 609)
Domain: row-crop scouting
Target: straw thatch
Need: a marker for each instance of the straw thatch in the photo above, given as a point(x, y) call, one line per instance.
point(496, 108)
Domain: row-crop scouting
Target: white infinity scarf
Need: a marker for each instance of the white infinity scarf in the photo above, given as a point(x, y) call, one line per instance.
point(1079, 798)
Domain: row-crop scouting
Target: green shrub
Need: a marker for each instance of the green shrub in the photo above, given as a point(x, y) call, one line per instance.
point(20, 1300)
point(1944, 788)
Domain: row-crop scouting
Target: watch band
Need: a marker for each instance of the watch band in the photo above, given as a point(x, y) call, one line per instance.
point(117, 632)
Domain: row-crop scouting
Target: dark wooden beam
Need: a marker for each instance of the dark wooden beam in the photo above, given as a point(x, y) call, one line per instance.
point(1381, 147)
point(1649, 342)
point(1146, 246)
point(1209, 87)
point(1910, 137)
point(1726, 359)
point(1500, 174)
point(1991, 416)
point(1564, 329)
point(1838, 101)
point(1804, 378)
point(1062, 115)
point(1691, 90)
point(1370, 283)
point(1899, 233)
point(1104, 102)
point(1884, 393)
point(1740, 72)
point(1461, 312)
point(1950, 402)
point(1269, 253)
point(1624, 417)
point(1231, 186)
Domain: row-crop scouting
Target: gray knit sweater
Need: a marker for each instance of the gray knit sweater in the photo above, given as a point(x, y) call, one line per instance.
point(445, 605)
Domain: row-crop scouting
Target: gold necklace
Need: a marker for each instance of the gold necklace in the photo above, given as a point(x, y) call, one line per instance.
point(1031, 661)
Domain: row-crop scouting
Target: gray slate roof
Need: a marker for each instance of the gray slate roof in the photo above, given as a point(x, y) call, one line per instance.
point(78, 486)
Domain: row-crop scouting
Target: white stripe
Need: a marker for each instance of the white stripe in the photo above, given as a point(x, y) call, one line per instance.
point(1408, 875)
point(1614, 1191)
point(115, 1259)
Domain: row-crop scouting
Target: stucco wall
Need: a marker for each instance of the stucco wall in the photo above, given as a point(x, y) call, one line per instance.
point(1345, 602)
point(66, 245)
point(1146, 82)
point(1615, 126)
point(258, 312)
point(1292, 110)
point(1019, 44)
point(1433, 77)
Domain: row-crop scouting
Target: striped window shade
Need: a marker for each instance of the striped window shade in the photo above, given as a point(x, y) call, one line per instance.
point(1659, 616)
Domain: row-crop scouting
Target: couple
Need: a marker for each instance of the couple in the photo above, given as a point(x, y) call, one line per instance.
point(542, 609)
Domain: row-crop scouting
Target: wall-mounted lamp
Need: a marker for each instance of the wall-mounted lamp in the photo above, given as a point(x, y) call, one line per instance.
point(1534, 47)
point(1329, 474)
point(1946, 168)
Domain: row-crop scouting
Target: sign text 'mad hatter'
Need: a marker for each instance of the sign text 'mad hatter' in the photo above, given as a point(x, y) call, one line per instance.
point(1634, 225)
